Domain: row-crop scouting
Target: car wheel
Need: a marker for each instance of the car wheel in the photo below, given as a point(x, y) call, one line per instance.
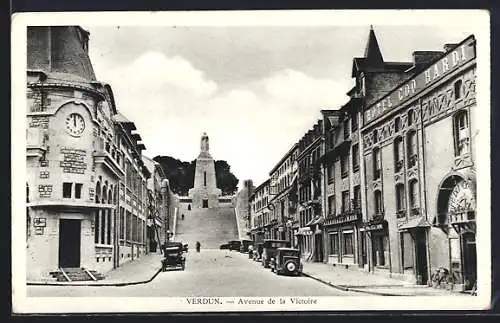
point(291, 266)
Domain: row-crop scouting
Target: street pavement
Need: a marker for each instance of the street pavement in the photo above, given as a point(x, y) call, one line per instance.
point(208, 273)
point(368, 283)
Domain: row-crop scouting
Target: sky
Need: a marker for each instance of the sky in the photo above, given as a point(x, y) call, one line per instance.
point(254, 90)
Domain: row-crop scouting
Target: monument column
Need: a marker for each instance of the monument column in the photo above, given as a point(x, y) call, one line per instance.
point(205, 193)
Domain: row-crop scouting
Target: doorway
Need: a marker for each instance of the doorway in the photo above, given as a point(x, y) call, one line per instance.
point(470, 260)
point(205, 204)
point(318, 239)
point(69, 243)
point(421, 257)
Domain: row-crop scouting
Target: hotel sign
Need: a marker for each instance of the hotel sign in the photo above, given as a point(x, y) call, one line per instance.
point(446, 65)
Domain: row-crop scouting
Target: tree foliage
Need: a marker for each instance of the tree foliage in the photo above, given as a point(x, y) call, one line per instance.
point(180, 175)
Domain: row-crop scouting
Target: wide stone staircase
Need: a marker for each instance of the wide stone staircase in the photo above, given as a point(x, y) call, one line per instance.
point(211, 227)
point(76, 274)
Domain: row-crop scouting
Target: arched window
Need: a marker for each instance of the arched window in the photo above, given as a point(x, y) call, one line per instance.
point(413, 193)
point(458, 89)
point(461, 132)
point(397, 124)
point(378, 202)
point(400, 200)
point(398, 153)
point(411, 117)
point(412, 148)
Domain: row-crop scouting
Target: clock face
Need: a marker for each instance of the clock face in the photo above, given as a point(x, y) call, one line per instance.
point(75, 124)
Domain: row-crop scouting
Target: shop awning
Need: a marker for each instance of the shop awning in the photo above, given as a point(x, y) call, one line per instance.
point(416, 223)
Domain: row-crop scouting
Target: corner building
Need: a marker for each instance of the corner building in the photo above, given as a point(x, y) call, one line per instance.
point(420, 175)
point(74, 160)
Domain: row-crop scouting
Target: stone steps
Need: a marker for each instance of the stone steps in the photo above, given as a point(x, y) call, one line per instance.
point(212, 227)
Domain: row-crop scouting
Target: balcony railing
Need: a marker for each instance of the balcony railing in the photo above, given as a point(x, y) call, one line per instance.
point(346, 216)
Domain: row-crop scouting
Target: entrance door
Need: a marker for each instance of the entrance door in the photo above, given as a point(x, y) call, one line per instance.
point(470, 261)
point(69, 243)
point(319, 247)
point(205, 203)
point(421, 255)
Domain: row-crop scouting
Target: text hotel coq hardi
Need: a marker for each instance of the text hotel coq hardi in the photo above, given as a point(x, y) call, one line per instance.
point(251, 301)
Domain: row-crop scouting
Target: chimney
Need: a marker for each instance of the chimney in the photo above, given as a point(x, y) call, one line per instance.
point(421, 59)
point(448, 47)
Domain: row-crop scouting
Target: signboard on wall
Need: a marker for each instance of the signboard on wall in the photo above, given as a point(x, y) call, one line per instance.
point(446, 65)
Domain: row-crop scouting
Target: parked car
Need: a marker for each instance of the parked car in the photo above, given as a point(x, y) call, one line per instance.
point(286, 261)
point(269, 250)
point(234, 245)
point(225, 246)
point(174, 258)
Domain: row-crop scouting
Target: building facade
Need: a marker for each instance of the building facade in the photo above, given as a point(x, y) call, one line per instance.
point(260, 215)
point(282, 205)
point(386, 183)
point(76, 160)
point(310, 191)
point(420, 135)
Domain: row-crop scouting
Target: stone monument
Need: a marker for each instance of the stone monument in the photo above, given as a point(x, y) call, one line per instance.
point(205, 193)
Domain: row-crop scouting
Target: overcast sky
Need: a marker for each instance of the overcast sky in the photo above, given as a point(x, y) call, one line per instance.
point(254, 90)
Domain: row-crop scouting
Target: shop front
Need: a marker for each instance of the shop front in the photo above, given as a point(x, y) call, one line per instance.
point(414, 249)
point(341, 237)
point(457, 217)
point(378, 238)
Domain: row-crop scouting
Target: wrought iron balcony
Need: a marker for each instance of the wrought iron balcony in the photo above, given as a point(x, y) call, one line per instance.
point(344, 217)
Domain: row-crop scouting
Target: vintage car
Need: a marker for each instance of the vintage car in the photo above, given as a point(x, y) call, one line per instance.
point(286, 261)
point(234, 245)
point(269, 249)
point(173, 256)
point(224, 246)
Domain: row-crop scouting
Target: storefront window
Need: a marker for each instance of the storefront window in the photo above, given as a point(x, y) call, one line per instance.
point(348, 243)
point(380, 250)
point(334, 243)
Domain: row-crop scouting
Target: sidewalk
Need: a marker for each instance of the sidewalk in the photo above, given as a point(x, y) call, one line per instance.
point(363, 282)
point(138, 271)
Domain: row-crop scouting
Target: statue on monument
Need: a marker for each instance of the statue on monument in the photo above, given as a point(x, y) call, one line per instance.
point(204, 143)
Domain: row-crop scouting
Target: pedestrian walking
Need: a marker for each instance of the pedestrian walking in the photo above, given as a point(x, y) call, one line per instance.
point(189, 207)
point(182, 216)
point(198, 246)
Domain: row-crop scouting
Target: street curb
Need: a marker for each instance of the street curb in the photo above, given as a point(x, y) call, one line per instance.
point(94, 285)
point(348, 289)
